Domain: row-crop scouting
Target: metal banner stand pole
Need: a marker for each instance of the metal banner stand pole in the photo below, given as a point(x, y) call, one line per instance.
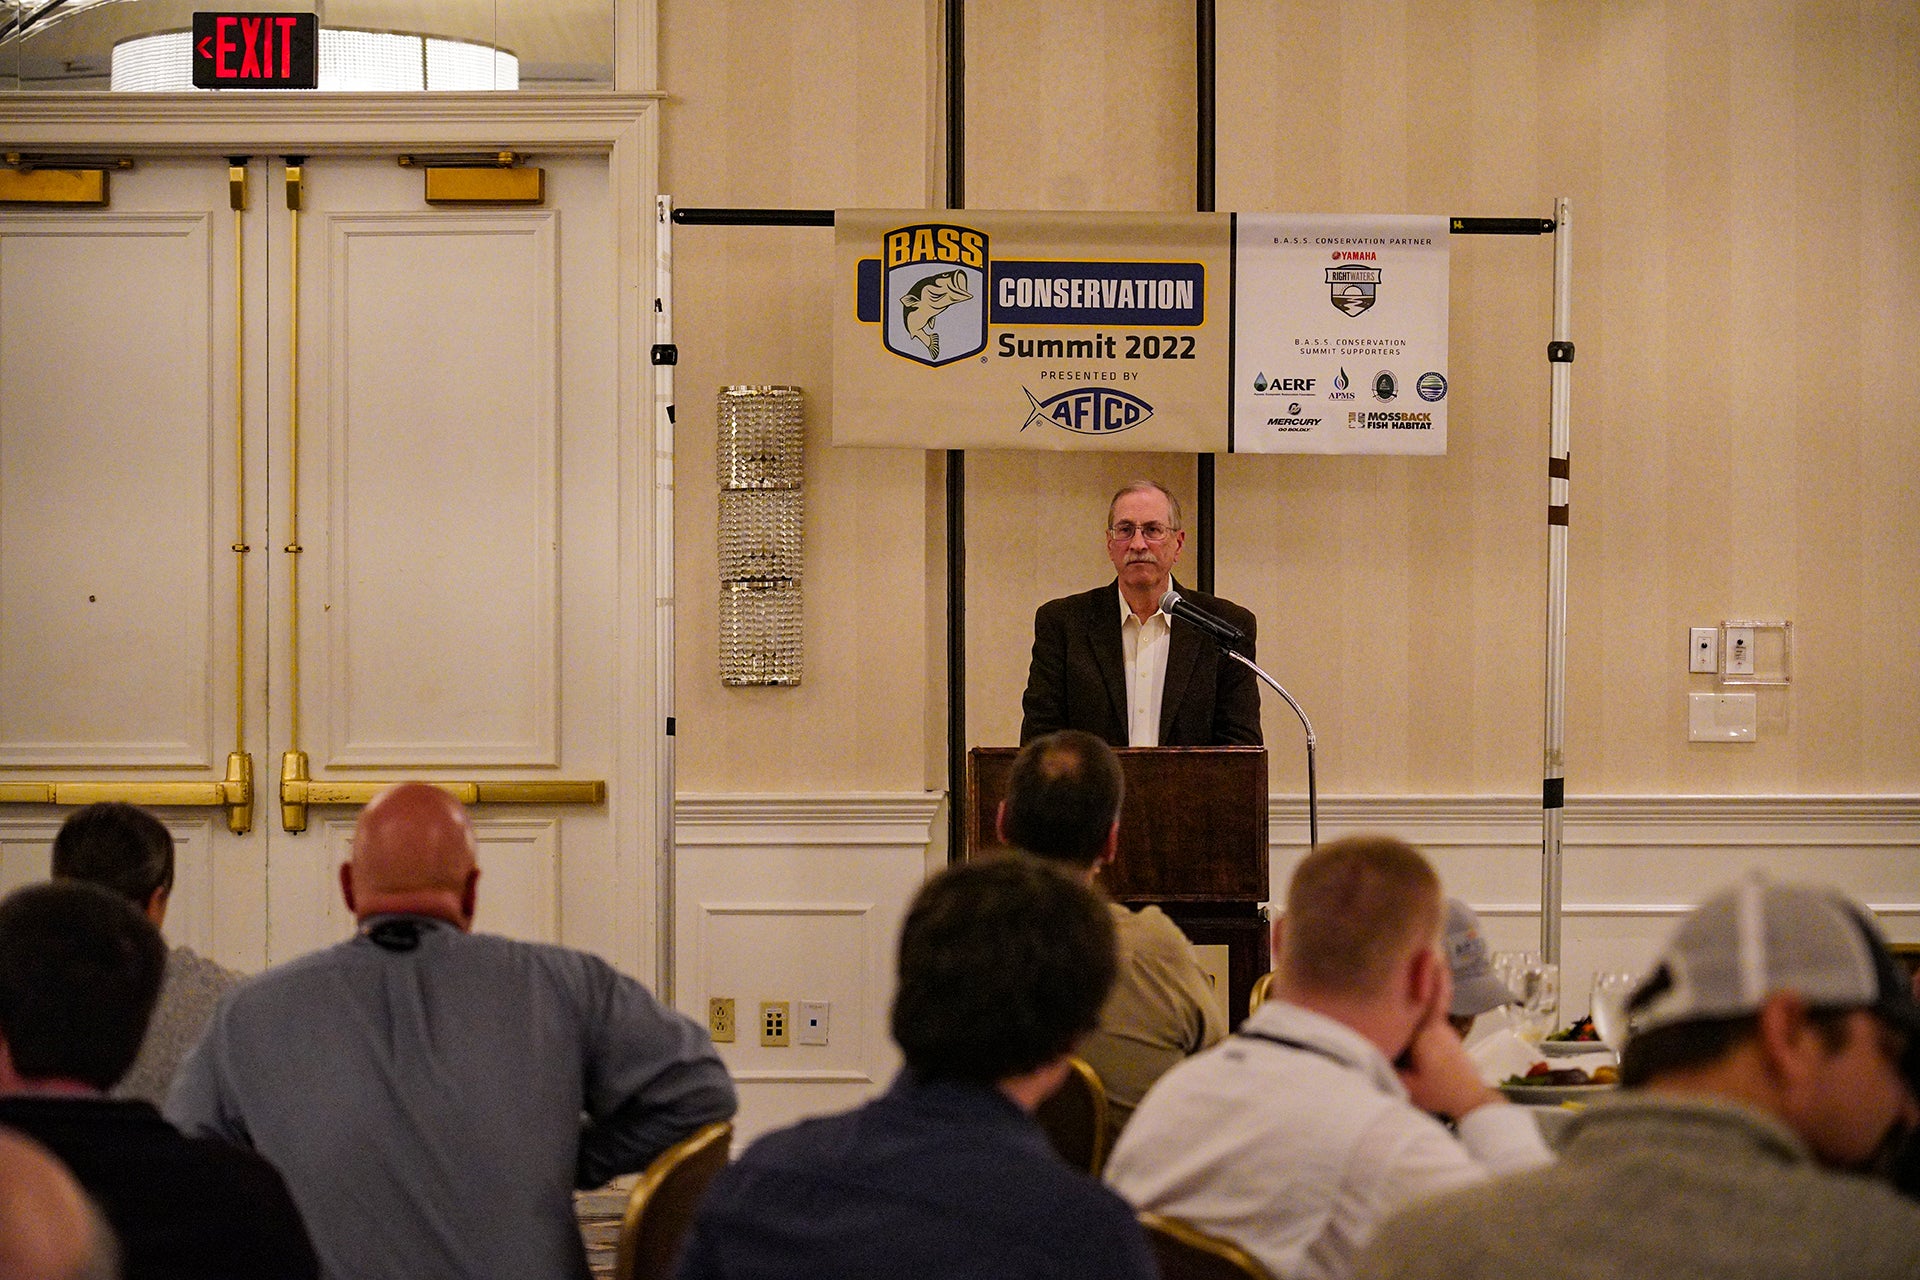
point(1553, 792)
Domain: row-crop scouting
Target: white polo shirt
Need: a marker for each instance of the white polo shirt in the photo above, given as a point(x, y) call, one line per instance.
point(1295, 1139)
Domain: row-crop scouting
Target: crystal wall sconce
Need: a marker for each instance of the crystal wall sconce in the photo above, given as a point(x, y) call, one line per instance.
point(761, 435)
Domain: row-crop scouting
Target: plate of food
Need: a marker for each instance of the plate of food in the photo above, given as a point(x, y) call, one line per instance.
point(1550, 1086)
point(1573, 1041)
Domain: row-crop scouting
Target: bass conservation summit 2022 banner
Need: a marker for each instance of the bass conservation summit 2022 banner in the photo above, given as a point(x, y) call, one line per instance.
point(1140, 332)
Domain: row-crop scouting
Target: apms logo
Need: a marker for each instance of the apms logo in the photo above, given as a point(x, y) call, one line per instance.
point(1340, 385)
point(934, 288)
point(1088, 411)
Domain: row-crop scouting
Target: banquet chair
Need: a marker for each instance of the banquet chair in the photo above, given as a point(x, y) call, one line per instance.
point(1075, 1118)
point(1185, 1252)
point(1258, 996)
point(660, 1209)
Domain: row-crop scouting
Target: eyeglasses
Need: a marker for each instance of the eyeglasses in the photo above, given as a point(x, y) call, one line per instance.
point(1155, 533)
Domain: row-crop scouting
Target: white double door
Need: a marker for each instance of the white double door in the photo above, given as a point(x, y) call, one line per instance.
point(334, 492)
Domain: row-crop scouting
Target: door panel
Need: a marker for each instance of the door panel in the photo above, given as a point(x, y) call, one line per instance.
point(107, 446)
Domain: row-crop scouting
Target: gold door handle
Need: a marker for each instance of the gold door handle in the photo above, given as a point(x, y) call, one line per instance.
point(297, 791)
point(234, 793)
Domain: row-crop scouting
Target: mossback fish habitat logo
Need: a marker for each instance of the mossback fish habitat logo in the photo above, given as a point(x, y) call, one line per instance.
point(1088, 411)
point(934, 291)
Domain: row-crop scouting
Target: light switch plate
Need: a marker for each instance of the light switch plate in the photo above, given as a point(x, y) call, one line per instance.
point(1723, 717)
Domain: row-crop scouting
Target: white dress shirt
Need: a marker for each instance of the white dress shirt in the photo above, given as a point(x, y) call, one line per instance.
point(1296, 1152)
point(1144, 645)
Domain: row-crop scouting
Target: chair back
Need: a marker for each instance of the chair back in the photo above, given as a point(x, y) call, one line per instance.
point(1258, 996)
point(1075, 1118)
point(1185, 1252)
point(660, 1209)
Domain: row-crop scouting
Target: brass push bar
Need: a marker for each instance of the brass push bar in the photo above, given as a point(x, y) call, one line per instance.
point(297, 791)
point(234, 793)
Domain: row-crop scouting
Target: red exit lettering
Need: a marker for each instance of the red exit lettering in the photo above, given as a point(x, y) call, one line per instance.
point(260, 37)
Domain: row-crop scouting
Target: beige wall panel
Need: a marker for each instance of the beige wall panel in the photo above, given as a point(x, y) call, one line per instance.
point(821, 105)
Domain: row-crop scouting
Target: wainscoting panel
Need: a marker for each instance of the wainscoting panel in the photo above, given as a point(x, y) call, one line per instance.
point(790, 898)
point(1631, 866)
point(800, 898)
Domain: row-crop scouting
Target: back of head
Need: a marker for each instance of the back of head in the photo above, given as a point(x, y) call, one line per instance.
point(413, 852)
point(1003, 967)
point(1355, 908)
point(80, 970)
point(1063, 797)
point(1743, 945)
point(49, 1230)
point(118, 847)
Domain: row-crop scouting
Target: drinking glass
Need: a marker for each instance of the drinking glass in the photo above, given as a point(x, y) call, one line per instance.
point(1537, 988)
point(1608, 1006)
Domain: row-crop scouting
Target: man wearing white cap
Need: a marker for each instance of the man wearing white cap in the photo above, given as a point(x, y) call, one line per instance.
point(1775, 1048)
point(1477, 989)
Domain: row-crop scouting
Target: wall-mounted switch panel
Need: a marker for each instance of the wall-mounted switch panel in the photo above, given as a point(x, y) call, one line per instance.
point(1703, 650)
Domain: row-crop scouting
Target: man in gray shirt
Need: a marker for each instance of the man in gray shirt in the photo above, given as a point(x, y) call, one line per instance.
point(128, 851)
point(434, 1095)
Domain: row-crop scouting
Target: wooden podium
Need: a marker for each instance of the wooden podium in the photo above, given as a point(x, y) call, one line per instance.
point(1193, 840)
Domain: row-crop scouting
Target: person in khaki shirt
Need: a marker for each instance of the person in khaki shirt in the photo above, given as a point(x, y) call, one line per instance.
point(1063, 805)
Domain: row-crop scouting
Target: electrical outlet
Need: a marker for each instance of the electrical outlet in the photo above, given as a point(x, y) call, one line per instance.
point(773, 1022)
point(720, 1019)
point(1703, 652)
point(815, 1015)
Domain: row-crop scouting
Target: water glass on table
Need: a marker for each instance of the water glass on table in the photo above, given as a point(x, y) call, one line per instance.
point(1608, 1007)
point(1537, 988)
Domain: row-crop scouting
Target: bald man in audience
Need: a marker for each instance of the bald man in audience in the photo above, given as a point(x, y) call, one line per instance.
point(1301, 1132)
point(49, 1230)
point(434, 1095)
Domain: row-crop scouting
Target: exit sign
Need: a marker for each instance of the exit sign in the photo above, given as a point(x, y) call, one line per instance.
point(256, 50)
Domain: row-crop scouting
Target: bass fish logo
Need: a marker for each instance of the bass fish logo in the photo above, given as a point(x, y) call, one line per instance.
point(934, 286)
point(1088, 411)
point(1352, 288)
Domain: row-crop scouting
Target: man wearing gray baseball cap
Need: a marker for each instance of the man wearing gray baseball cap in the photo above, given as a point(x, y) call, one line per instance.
point(1775, 1050)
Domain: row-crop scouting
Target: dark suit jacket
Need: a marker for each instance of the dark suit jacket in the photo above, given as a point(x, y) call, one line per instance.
point(1078, 676)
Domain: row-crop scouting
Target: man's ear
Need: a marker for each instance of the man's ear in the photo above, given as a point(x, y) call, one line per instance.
point(469, 894)
point(346, 885)
point(1000, 822)
point(1425, 974)
point(1790, 1045)
point(1275, 935)
point(1111, 849)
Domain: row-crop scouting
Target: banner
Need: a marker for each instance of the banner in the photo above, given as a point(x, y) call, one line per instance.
point(1188, 333)
point(1341, 334)
point(966, 330)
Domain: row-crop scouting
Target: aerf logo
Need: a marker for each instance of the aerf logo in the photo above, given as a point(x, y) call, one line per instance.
point(935, 288)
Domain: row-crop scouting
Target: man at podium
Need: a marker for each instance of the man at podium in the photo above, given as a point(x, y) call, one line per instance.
point(1111, 662)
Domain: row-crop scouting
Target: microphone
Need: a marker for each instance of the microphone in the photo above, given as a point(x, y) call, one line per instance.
point(1224, 633)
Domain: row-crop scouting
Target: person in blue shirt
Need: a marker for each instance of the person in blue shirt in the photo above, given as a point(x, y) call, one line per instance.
point(1003, 967)
point(435, 1095)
